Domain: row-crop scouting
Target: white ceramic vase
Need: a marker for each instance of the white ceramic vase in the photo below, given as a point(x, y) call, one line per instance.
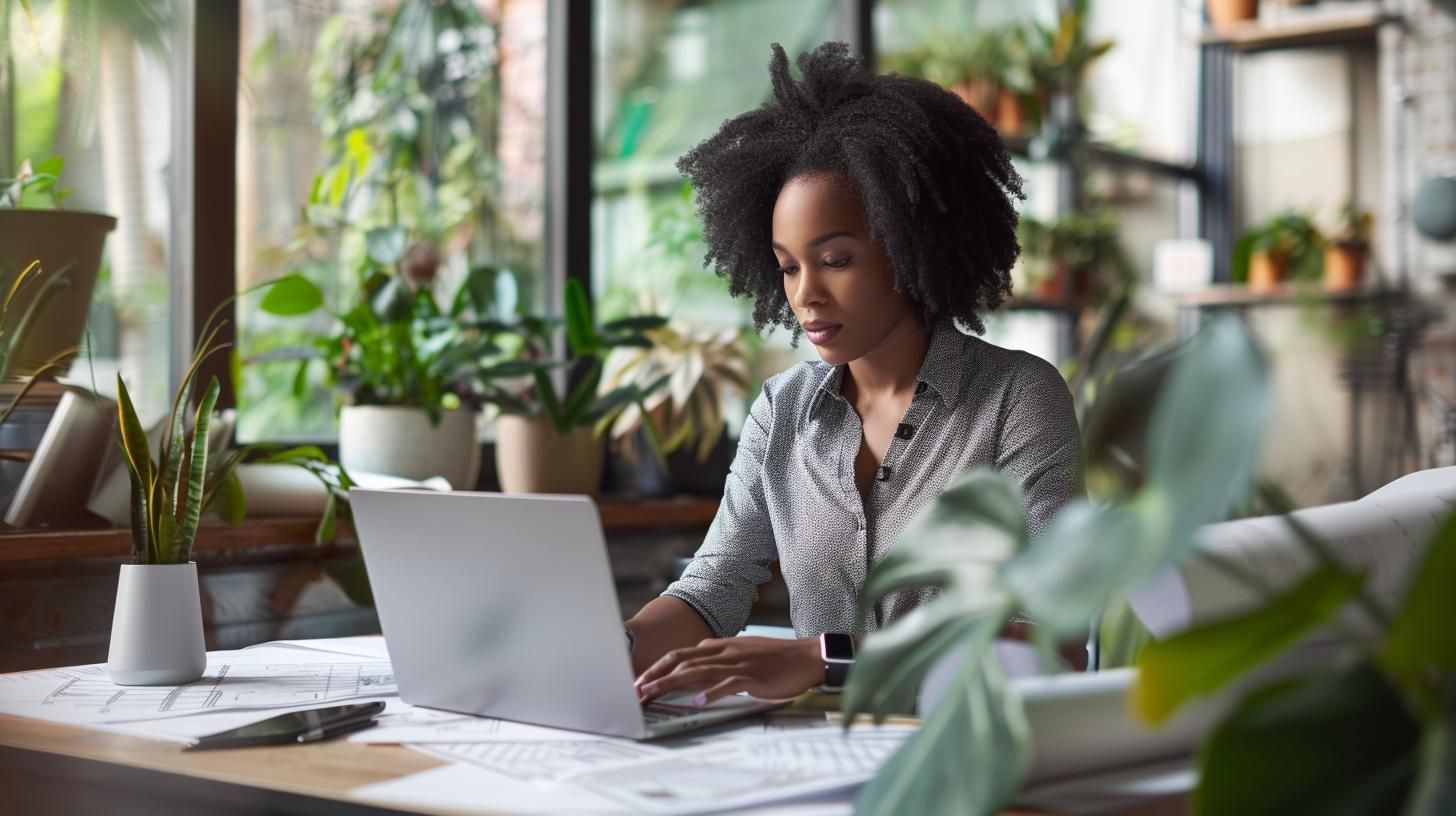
point(399, 441)
point(156, 632)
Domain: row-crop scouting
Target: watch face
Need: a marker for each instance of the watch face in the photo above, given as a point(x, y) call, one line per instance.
point(838, 646)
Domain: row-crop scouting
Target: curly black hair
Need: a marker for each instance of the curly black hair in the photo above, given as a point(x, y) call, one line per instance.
point(933, 177)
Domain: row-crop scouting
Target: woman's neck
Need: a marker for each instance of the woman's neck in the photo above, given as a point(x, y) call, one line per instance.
point(890, 368)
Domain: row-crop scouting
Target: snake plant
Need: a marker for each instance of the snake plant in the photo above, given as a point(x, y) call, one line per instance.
point(11, 338)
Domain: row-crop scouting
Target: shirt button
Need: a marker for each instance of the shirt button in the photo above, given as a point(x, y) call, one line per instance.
point(884, 473)
point(920, 387)
point(905, 431)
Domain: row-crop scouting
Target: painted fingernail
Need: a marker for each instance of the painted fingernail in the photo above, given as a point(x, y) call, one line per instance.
point(700, 699)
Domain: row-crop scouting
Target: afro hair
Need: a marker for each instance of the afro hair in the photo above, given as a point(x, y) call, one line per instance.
point(934, 180)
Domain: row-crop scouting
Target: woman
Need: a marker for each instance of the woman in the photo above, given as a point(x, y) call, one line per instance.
point(871, 213)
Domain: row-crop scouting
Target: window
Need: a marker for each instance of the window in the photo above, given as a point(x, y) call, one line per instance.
point(426, 119)
point(99, 85)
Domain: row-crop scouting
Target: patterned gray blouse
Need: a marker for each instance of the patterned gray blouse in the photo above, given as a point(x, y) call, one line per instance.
point(790, 495)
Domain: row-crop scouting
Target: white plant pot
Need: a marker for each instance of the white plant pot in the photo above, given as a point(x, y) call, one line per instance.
point(156, 632)
point(399, 441)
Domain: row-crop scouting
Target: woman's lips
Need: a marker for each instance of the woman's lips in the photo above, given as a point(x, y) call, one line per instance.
point(820, 335)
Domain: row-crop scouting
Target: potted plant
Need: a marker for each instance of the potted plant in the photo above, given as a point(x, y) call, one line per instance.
point(1075, 260)
point(1223, 13)
point(33, 227)
point(412, 375)
point(546, 440)
point(156, 630)
point(1348, 250)
point(701, 367)
point(1287, 247)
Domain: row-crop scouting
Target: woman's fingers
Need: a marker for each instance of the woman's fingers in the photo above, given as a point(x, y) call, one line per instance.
point(689, 677)
point(670, 661)
point(732, 685)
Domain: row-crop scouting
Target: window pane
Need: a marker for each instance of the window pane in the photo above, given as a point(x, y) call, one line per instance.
point(425, 116)
point(1142, 95)
point(94, 84)
point(667, 75)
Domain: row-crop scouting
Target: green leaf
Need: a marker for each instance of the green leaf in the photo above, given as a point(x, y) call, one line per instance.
point(546, 395)
point(1420, 638)
point(1204, 436)
point(197, 475)
point(1435, 787)
point(139, 463)
point(639, 323)
point(583, 396)
point(385, 245)
point(968, 757)
point(231, 504)
point(1203, 660)
point(300, 378)
point(292, 295)
point(891, 663)
point(514, 368)
point(580, 336)
point(1334, 743)
point(393, 301)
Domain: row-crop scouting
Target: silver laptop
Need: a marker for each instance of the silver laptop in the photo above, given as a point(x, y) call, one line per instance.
point(504, 606)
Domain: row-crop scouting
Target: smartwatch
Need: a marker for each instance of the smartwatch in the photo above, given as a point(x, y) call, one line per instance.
point(838, 652)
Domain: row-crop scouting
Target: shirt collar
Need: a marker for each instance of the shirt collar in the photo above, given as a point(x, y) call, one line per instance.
point(940, 371)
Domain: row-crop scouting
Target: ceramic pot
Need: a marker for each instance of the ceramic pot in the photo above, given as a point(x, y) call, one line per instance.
point(60, 240)
point(1267, 271)
point(1223, 13)
point(1010, 115)
point(1344, 267)
point(156, 631)
point(531, 457)
point(399, 441)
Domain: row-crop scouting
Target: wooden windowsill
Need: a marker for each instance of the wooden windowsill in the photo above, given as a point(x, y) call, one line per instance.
point(266, 538)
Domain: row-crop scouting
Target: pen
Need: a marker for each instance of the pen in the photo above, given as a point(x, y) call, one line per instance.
point(317, 734)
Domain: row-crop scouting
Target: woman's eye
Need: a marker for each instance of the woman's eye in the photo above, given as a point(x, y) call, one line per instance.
point(788, 270)
point(839, 264)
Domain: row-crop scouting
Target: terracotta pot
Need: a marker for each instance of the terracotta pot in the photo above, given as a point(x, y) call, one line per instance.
point(531, 457)
point(59, 239)
point(399, 441)
point(1344, 267)
point(1267, 270)
point(1010, 118)
point(1223, 13)
point(980, 94)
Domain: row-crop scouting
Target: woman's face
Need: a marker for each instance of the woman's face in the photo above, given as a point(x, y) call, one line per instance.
point(838, 282)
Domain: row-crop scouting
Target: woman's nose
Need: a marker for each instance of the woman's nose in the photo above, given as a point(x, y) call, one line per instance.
point(809, 288)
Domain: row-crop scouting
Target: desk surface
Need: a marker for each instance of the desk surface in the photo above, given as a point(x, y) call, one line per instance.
point(48, 764)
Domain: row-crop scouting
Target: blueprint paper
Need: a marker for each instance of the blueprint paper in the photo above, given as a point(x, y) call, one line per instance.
point(251, 679)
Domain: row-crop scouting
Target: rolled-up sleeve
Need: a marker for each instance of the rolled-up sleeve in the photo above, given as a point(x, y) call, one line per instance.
point(722, 580)
point(1041, 443)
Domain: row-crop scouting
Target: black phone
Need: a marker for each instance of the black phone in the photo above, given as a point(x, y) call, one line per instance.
point(295, 726)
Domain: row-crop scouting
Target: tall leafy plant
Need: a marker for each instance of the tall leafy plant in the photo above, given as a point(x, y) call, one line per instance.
point(972, 544)
point(579, 405)
point(11, 336)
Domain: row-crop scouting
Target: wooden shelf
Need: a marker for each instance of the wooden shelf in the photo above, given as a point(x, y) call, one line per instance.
point(266, 539)
point(1225, 296)
point(1255, 35)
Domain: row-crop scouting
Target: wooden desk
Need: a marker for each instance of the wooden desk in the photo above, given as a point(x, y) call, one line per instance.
point(50, 768)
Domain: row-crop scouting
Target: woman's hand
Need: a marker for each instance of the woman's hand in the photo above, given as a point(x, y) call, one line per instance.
point(768, 668)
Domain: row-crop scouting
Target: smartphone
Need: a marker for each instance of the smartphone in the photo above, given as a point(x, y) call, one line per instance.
point(295, 726)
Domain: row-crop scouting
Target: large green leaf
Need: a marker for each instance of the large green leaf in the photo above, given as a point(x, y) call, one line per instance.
point(1421, 637)
point(1435, 788)
point(1065, 577)
point(967, 758)
point(583, 395)
point(385, 245)
point(292, 295)
point(637, 323)
point(546, 395)
point(1204, 437)
point(581, 337)
point(1333, 744)
point(890, 664)
point(197, 473)
point(138, 456)
point(1203, 660)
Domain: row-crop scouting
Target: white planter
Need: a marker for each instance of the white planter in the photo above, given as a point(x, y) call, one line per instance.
point(401, 442)
point(156, 632)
